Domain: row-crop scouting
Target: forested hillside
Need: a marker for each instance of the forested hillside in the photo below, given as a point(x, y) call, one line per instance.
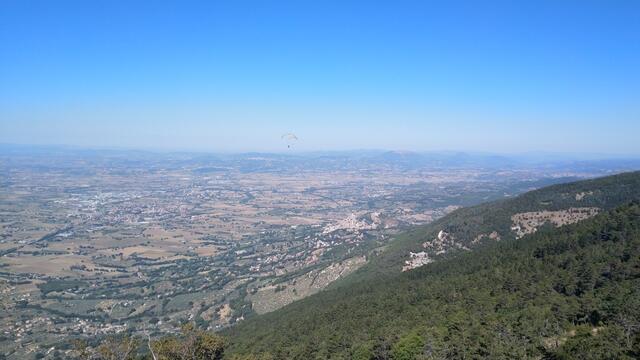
point(560, 292)
point(572, 292)
point(466, 224)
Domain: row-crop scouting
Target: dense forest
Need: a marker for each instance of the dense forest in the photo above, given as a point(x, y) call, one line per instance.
point(570, 292)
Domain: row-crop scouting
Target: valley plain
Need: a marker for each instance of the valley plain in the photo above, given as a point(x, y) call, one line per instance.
point(94, 243)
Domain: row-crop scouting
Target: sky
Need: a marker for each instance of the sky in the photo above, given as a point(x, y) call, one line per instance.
point(490, 76)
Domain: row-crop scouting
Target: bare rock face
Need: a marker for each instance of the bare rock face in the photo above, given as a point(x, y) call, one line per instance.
point(492, 236)
point(273, 297)
point(582, 195)
point(529, 222)
point(443, 243)
point(416, 260)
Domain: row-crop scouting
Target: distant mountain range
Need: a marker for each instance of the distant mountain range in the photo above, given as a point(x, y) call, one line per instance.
point(201, 162)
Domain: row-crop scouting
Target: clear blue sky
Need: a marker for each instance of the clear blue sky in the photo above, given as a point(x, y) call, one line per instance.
point(508, 76)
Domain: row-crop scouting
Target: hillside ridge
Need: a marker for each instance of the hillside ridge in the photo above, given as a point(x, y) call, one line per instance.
point(563, 279)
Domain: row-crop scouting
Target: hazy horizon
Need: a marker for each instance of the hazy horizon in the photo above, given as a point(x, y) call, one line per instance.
point(200, 76)
point(537, 156)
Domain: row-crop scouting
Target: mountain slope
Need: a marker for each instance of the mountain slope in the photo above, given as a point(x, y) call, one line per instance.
point(572, 291)
point(467, 224)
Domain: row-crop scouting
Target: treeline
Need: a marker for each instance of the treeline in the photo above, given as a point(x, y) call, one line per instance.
point(190, 344)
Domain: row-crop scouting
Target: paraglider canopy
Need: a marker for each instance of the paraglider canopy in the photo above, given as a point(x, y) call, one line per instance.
point(290, 139)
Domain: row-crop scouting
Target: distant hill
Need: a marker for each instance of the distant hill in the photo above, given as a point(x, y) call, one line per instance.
point(554, 273)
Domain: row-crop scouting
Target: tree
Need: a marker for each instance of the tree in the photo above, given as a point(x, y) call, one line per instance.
point(118, 348)
point(409, 347)
point(191, 344)
point(594, 343)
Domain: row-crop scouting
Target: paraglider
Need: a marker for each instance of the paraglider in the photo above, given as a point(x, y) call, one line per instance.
point(290, 139)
